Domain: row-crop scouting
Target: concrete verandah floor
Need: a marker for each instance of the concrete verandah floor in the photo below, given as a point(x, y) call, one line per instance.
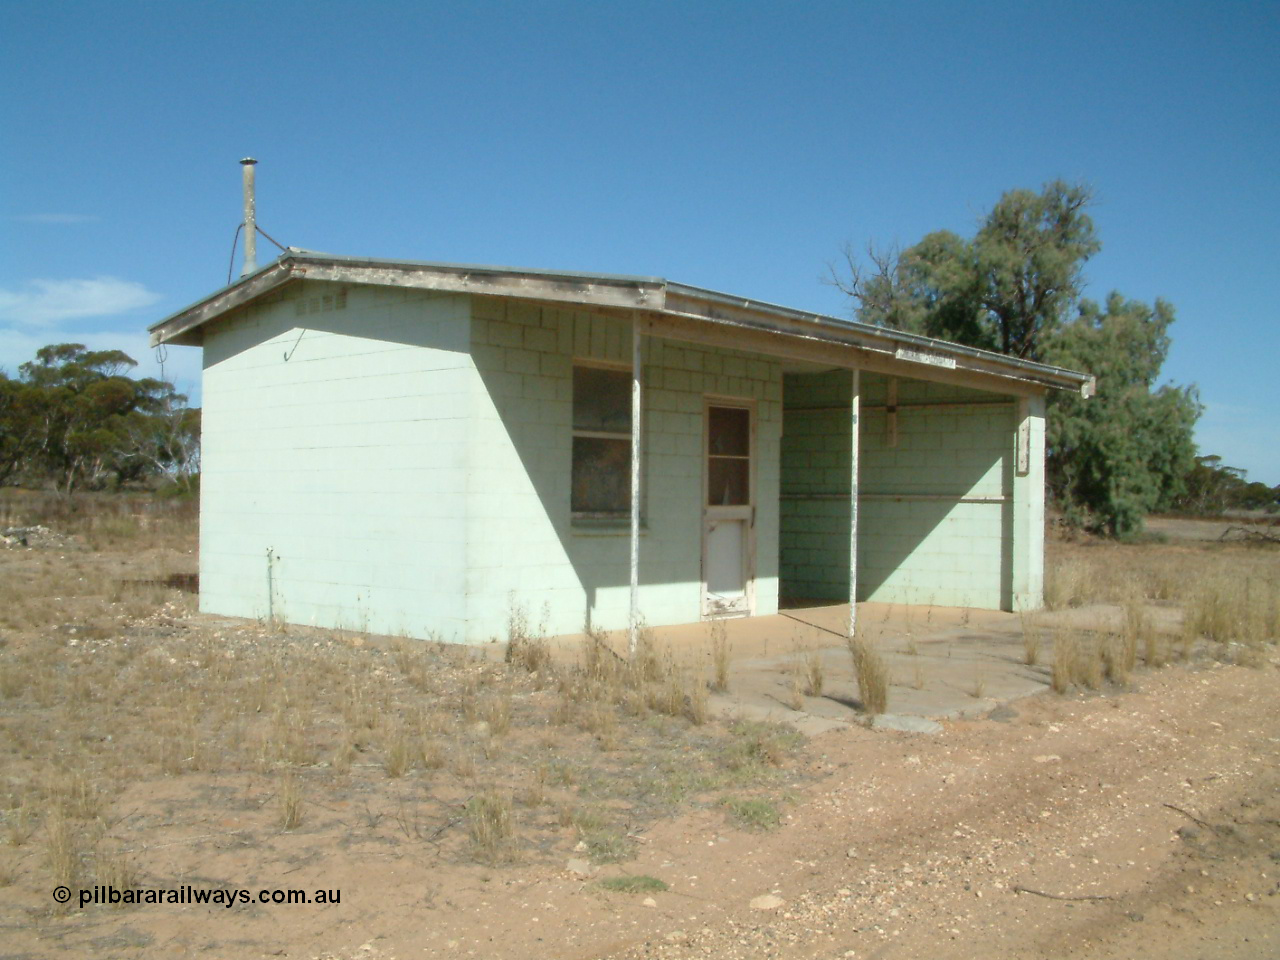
point(943, 661)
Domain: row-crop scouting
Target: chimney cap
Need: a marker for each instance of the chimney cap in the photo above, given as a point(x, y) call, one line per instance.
point(248, 161)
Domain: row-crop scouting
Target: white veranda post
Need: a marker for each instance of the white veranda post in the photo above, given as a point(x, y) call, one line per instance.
point(633, 621)
point(854, 405)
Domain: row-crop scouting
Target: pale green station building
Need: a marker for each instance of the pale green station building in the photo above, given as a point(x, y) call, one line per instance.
point(420, 448)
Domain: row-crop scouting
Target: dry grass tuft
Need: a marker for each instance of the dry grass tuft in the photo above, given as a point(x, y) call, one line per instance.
point(814, 677)
point(397, 752)
point(1089, 663)
point(872, 675)
point(696, 709)
point(527, 648)
point(491, 825)
point(431, 753)
point(112, 866)
point(495, 710)
point(75, 794)
point(1031, 638)
point(62, 848)
point(1117, 658)
point(1066, 652)
point(462, 763)
point(1070, 584)
point(795, 692)
point(720, 657)
point(290, 801)
point(20, 824)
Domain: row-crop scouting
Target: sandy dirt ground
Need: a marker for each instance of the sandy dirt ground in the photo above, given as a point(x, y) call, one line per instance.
point(1147, 824)
point(918, 846)
point(1142, 823)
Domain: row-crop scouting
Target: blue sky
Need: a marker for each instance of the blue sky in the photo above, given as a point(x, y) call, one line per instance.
point(736, 146)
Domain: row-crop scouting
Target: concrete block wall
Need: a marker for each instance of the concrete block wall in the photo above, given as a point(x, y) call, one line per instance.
point(334, 462)
point(399, 461)
point(816, 480)
point(942, 551)
point(524, 546)
point(919, 542)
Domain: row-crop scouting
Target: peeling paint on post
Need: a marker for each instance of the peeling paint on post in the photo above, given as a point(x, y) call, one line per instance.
point(1023, 437)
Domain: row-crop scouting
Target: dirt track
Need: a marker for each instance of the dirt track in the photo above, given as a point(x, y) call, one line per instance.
point(916, 846)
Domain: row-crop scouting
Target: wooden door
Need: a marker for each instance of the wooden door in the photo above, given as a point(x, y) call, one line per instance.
point(728, 510)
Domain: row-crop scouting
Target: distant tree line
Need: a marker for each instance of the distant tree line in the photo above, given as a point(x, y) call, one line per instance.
point(1015, 288)
point(1212, 487)
point(74, 419)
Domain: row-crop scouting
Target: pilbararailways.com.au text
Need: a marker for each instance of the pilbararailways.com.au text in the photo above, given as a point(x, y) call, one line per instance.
point(186, 894)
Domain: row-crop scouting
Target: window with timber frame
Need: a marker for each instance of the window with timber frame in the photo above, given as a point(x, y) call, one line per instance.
point(601, 479)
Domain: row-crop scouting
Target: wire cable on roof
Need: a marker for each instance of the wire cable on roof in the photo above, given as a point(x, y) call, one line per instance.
point(234, 240)
point(272, 239)
point(231, 266)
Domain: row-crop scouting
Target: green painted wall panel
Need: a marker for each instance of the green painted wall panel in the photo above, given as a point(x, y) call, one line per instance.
point(928, 546)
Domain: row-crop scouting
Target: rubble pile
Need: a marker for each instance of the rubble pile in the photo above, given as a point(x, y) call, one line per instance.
point(37, 538)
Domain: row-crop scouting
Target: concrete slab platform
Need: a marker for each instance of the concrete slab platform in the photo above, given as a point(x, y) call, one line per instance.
point(944, 662)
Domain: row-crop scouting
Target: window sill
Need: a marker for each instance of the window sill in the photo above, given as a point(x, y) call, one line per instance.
point(589, 526)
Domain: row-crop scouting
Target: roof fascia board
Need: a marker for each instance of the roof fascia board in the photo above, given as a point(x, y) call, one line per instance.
point(873, 348)
point(180, 327)
point(302, 256)
point(631, 293)
point(871, 341)
point(754, 338)
point(586, 289)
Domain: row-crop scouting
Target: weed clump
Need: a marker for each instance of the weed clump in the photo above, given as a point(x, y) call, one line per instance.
point(637, 883)
point(758, 746)
point(1065, 654)
point(872, 675)
point(814, 675)
point(491, 826)
point(1031, 639)
point(755, 813)
point(291, 803)
point(526, 648)
point(720, 657)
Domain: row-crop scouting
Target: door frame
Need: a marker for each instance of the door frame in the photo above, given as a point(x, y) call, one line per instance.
point(747, 513)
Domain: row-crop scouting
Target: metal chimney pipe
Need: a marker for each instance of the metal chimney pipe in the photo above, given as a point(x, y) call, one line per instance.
point(250, 219)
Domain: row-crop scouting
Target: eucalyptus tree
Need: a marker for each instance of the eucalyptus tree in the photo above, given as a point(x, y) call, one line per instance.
point(1015, 287)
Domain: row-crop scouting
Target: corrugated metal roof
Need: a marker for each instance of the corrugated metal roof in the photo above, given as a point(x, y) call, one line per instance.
point(649, 294)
